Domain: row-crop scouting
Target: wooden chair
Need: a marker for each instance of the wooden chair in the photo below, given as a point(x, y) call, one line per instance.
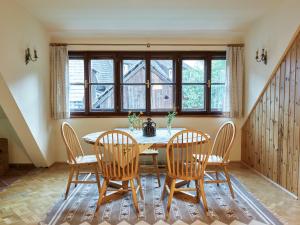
point(117, 154)
point(77, 160)
point(182, 152)
point(154, 154)
point(220, 154)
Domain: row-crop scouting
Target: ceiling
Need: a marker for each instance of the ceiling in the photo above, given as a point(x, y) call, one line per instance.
point(146, 17)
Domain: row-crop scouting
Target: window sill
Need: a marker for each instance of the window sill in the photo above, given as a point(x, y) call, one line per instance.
point(187, 115)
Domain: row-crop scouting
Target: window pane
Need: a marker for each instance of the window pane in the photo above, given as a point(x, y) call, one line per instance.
point(134, 71)
point(161, 71)
point(76, 71)
point(193, 71)
point(193, 98)
point(217, 97)
point(162, 97)
point(76, 96)
point(102, 97)
point(218, 71)
point(134, 97)
point(102, 71)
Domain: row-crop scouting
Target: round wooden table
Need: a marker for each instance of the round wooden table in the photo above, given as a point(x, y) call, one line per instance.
point(159, 141)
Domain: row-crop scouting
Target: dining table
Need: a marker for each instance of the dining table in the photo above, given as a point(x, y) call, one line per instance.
point(159, 141)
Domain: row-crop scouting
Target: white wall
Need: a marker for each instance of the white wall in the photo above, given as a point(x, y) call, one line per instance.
point(273, 31)
point(27, 107)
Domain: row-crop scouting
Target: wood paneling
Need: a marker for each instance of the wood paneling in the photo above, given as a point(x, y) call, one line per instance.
point(270, 135)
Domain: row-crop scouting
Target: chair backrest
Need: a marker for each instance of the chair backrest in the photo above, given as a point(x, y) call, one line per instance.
point(223, 141)
point(187, 154)
point(72, 143)
point(117, 154)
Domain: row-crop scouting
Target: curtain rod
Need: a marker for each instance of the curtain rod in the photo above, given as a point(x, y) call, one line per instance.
point(148, 45)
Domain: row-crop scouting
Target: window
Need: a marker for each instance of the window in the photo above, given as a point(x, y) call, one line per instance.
point(114, 83)
point(218, 76)
point(162, 85)
point(193, 85)
point(76, 86)
point(102, 85)
point(133, 85)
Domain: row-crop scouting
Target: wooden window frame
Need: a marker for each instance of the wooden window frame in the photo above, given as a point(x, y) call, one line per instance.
point(176, 56)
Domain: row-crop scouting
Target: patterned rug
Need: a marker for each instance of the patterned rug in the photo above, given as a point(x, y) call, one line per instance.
point(80, 206)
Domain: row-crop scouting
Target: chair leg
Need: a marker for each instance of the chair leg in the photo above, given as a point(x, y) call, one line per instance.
point(97, 178)
point(141, 188)
point(101, 195)
point(217, 177)
point(228, 181)
point(71, 173)
point(197, 190)
point(167, 182)
point(201, 186)
point(172, 189)
point(134, 198)
point(76, 175)
point(155, 163)
point(188, 184)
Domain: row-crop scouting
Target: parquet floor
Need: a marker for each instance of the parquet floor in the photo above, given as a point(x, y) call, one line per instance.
point(27, 200)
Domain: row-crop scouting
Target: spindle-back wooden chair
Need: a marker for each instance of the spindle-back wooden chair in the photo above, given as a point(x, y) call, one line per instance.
point(220, 154)
point(77, 160)
point(117, 153)
point(183, 150)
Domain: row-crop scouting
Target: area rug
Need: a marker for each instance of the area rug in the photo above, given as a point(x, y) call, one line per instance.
point(80, 206)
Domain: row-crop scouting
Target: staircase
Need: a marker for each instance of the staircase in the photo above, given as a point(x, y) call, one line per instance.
point(270, 135)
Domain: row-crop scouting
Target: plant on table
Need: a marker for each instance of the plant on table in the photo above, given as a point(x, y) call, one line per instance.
point(170, 118)
point(135, 121)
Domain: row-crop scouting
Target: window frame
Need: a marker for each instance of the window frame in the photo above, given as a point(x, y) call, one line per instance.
point(118, 57)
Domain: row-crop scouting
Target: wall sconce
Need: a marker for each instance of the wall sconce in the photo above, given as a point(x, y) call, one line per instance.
point(263, 57)
point(28, 56)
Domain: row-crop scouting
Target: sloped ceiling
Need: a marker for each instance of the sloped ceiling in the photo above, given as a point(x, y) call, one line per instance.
point(146, 18)
point(2, 114)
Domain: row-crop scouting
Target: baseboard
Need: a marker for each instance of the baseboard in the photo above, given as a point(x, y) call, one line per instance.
point(271, 181)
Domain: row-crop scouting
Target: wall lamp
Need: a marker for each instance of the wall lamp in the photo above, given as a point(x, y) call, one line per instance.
point(28, 56)
point(262, 57)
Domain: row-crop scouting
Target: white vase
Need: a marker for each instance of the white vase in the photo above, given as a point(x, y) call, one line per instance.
point(169, 127)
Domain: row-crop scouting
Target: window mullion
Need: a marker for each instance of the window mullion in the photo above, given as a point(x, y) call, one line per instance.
point(208, 82)
point(178, 75)
point(148, 87)
point(87, 71)
point(117, 74)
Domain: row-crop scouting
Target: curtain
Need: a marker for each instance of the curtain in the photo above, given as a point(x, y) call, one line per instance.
point(233, 105)
point(59, 82)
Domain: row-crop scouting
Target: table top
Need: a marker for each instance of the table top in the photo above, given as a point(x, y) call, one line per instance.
point(162, 136)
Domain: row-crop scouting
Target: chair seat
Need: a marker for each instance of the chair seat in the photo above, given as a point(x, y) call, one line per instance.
point(214, 160)
point(149, 151)
point(87, 159)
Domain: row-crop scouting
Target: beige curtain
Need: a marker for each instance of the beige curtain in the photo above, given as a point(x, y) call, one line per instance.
point(59, 82)
point(233, 105)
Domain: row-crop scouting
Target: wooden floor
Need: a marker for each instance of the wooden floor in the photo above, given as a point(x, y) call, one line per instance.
point(28, 199)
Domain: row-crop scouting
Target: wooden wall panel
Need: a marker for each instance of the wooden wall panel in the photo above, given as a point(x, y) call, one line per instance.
point(271, 133)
